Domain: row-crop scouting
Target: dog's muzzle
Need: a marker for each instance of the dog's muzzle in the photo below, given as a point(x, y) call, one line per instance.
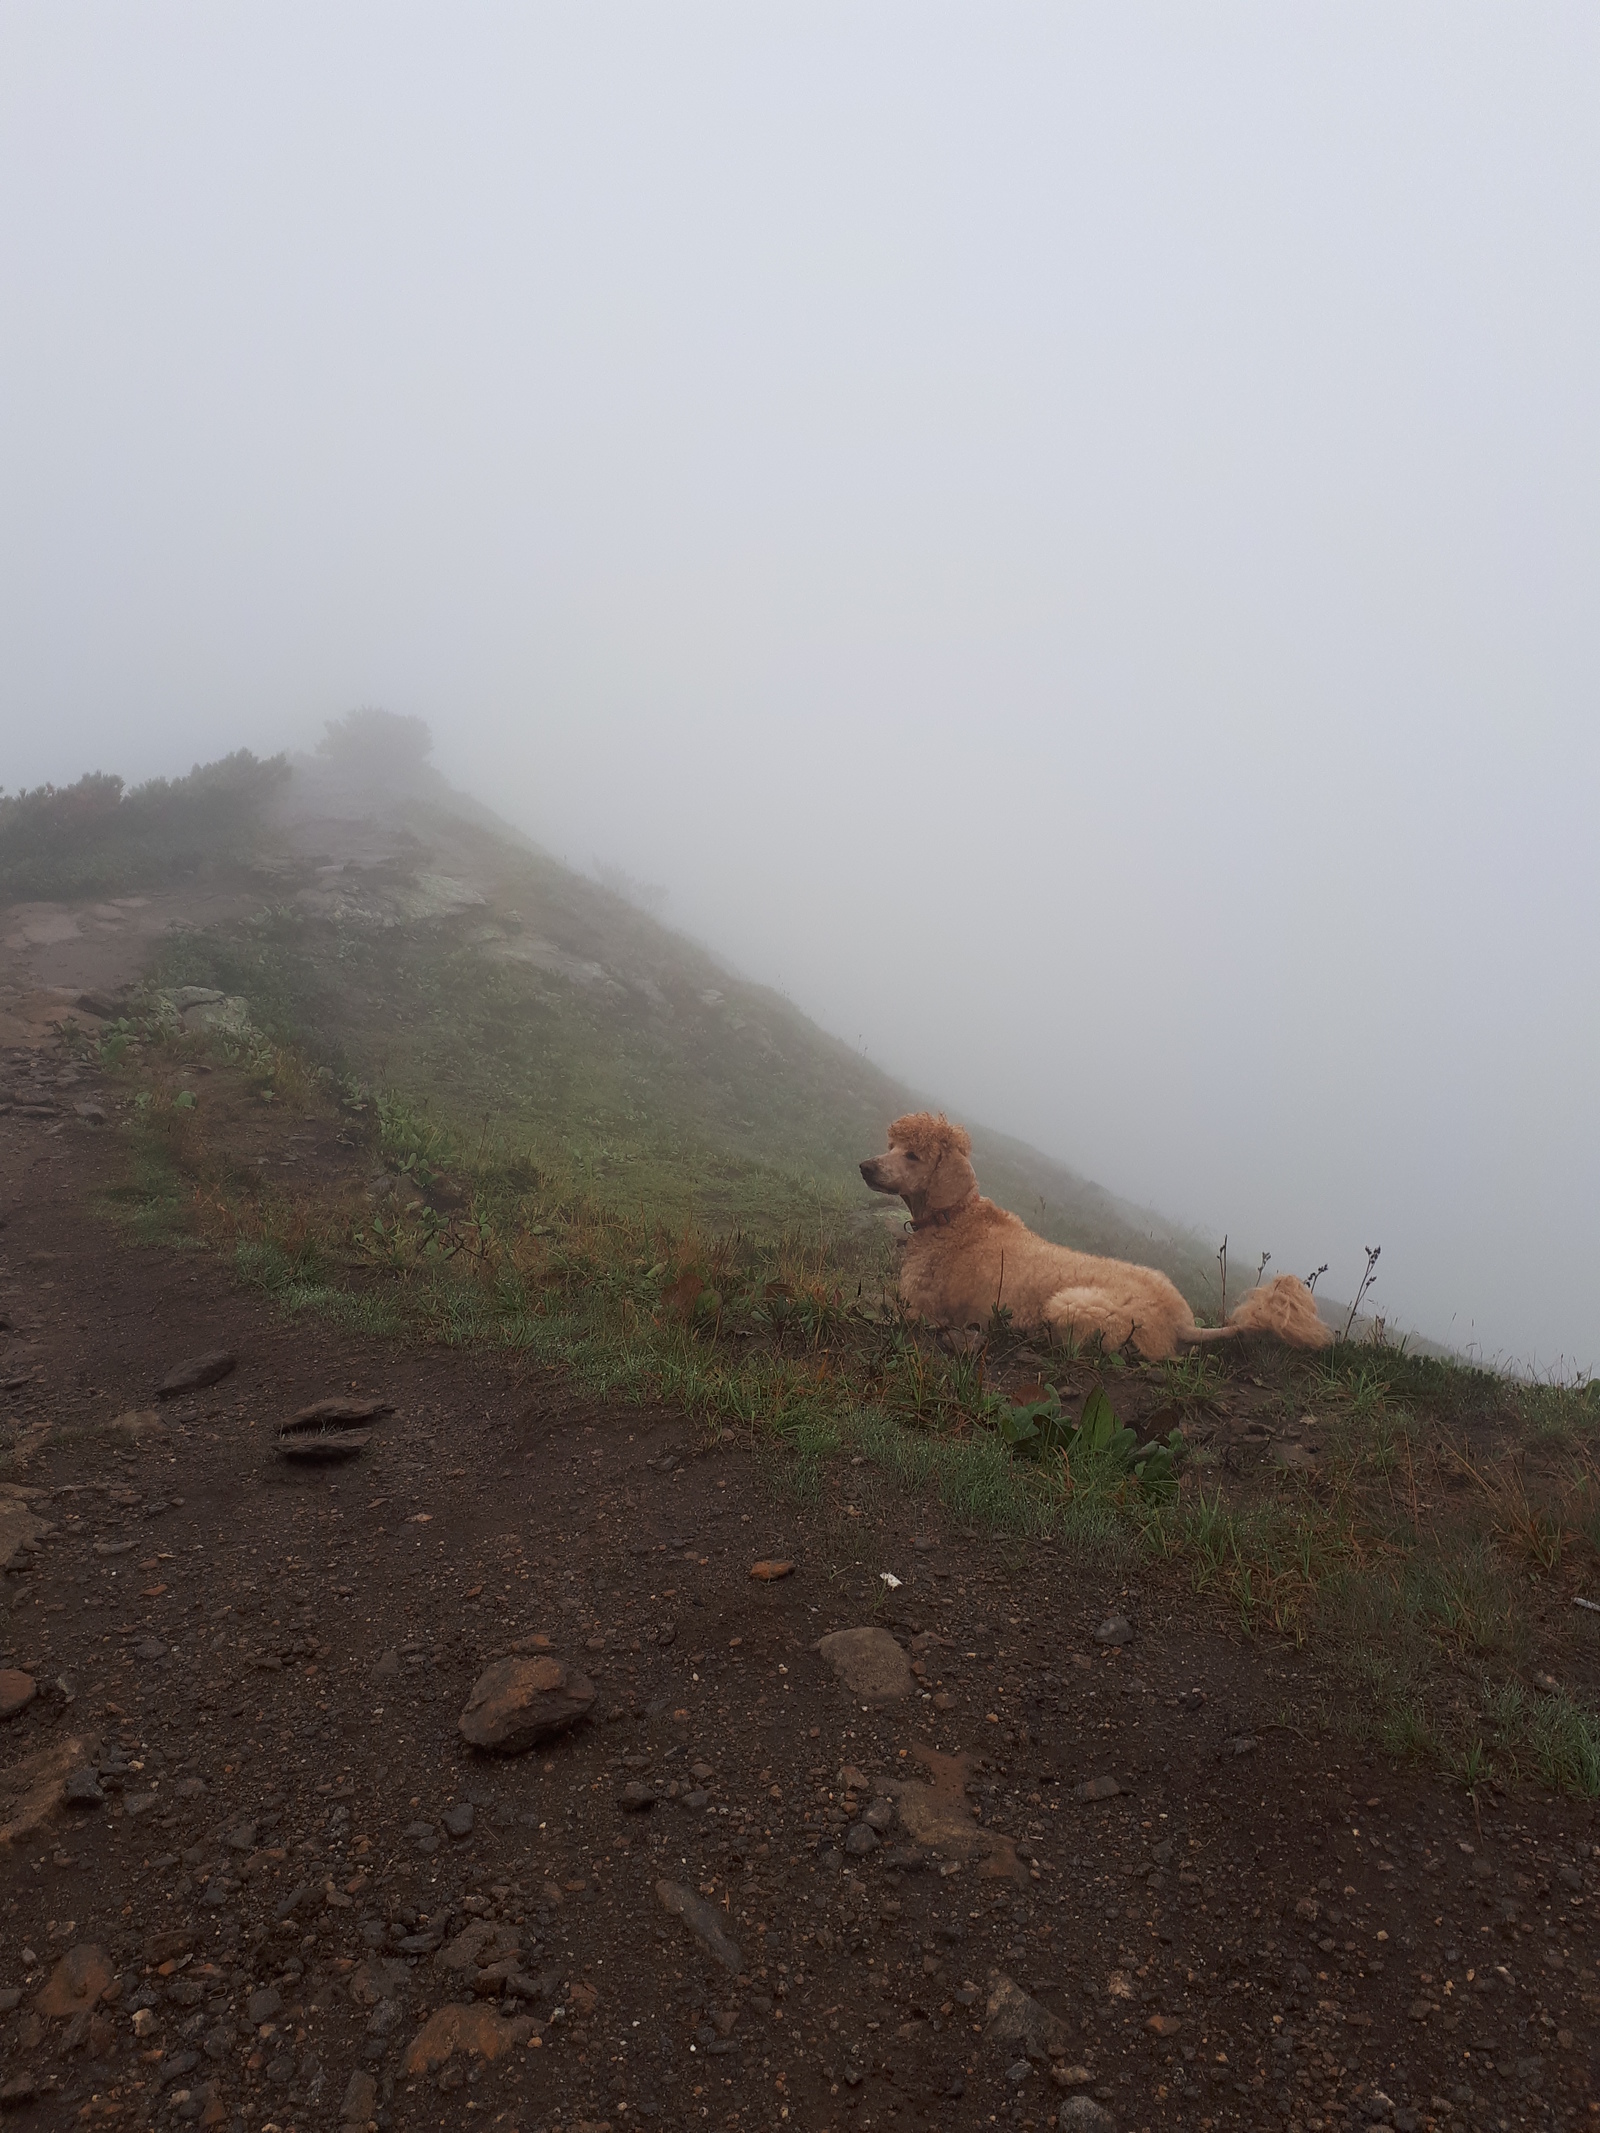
point(870, 1171)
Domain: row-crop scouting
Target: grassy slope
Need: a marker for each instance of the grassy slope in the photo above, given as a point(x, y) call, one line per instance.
point(635, 1086)
point(1434, 1547)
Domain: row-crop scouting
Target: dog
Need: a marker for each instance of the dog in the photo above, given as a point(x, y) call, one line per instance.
point(965, 1257)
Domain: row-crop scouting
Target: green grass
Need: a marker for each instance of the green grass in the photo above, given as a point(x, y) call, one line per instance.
point(664, 1206)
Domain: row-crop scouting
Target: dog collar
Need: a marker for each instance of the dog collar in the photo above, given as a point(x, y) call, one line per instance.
point(942, 1216)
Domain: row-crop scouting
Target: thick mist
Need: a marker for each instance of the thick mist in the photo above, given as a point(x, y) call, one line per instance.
point(1065, 537)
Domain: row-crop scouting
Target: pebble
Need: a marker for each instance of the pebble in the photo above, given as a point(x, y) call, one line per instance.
point(637, 1797)
point(1115, 1629)
point(149, 1648)
point(264, 2005)
point(1100, 1788)
point(458, 1820)
point(82, 1789)
point(860, 1839)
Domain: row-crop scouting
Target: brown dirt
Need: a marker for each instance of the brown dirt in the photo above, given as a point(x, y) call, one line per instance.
point(272, 1660)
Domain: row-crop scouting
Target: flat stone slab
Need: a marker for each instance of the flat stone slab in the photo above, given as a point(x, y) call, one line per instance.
point(870, 1664)
point(516, 1703)
point(195, 1372)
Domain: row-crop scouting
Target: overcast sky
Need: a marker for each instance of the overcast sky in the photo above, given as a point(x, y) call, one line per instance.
point(1067, 536)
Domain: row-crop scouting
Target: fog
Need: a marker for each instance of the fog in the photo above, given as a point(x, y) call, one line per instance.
point(1066, 537)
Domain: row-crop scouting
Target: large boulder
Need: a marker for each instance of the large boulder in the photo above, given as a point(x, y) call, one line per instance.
point(517, 1703)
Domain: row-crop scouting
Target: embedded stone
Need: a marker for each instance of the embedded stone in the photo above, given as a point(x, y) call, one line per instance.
point(76, 1982)
point(870, 1664)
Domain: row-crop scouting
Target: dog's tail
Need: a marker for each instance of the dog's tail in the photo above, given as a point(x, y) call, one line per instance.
point(1283, 1309)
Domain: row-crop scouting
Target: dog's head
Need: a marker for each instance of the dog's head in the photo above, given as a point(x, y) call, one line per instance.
point(927, 1163)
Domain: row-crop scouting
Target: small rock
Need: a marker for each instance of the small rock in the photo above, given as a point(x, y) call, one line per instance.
point(1100, 1788)
point(517, 1703)
point(82, 1789)
point(458, 1820)
point(1018, 2072)
point(143, 1425)
point(702, 1921)
point(880, 1816)
point(196, 1372)
point(636, 1797)
point(149, 1649)
point(462, 2029)
point(770, 1570)
point(138, 1803)
point(1070, 2077)
point(1017, 2018)
point(1242, 1744)
point(360, 2100)
point(1295, 1458)
point(1081, 2114)
point(20, 2089)
point(92, 1114)
point(76, 1982)
point(859, 1840)
point(264, 2005)
point(870, 1664)
point(387, 1668)
point(1115, 1629)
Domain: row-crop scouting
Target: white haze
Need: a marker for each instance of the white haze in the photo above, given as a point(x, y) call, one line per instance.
point(1066, 535)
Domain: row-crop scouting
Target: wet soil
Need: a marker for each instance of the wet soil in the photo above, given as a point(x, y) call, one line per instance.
point(294, 1863)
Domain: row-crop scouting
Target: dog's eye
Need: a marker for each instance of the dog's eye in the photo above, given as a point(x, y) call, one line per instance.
point(910, 1158)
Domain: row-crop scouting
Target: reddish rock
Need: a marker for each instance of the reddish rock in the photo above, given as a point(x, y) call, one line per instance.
point(463, 2029)
point(516, 1703)
point(76, 1982)
point(17, 1691)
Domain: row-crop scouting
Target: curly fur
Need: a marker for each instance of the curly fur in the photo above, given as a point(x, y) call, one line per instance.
point(965, 1256)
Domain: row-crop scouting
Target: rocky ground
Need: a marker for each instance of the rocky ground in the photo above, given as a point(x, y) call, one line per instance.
point(1025, 1846)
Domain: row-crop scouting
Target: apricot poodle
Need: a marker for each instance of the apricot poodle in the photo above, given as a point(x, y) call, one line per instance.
point(965, 1255)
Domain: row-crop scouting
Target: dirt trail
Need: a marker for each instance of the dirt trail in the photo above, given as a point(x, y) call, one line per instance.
point(288, 1869)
